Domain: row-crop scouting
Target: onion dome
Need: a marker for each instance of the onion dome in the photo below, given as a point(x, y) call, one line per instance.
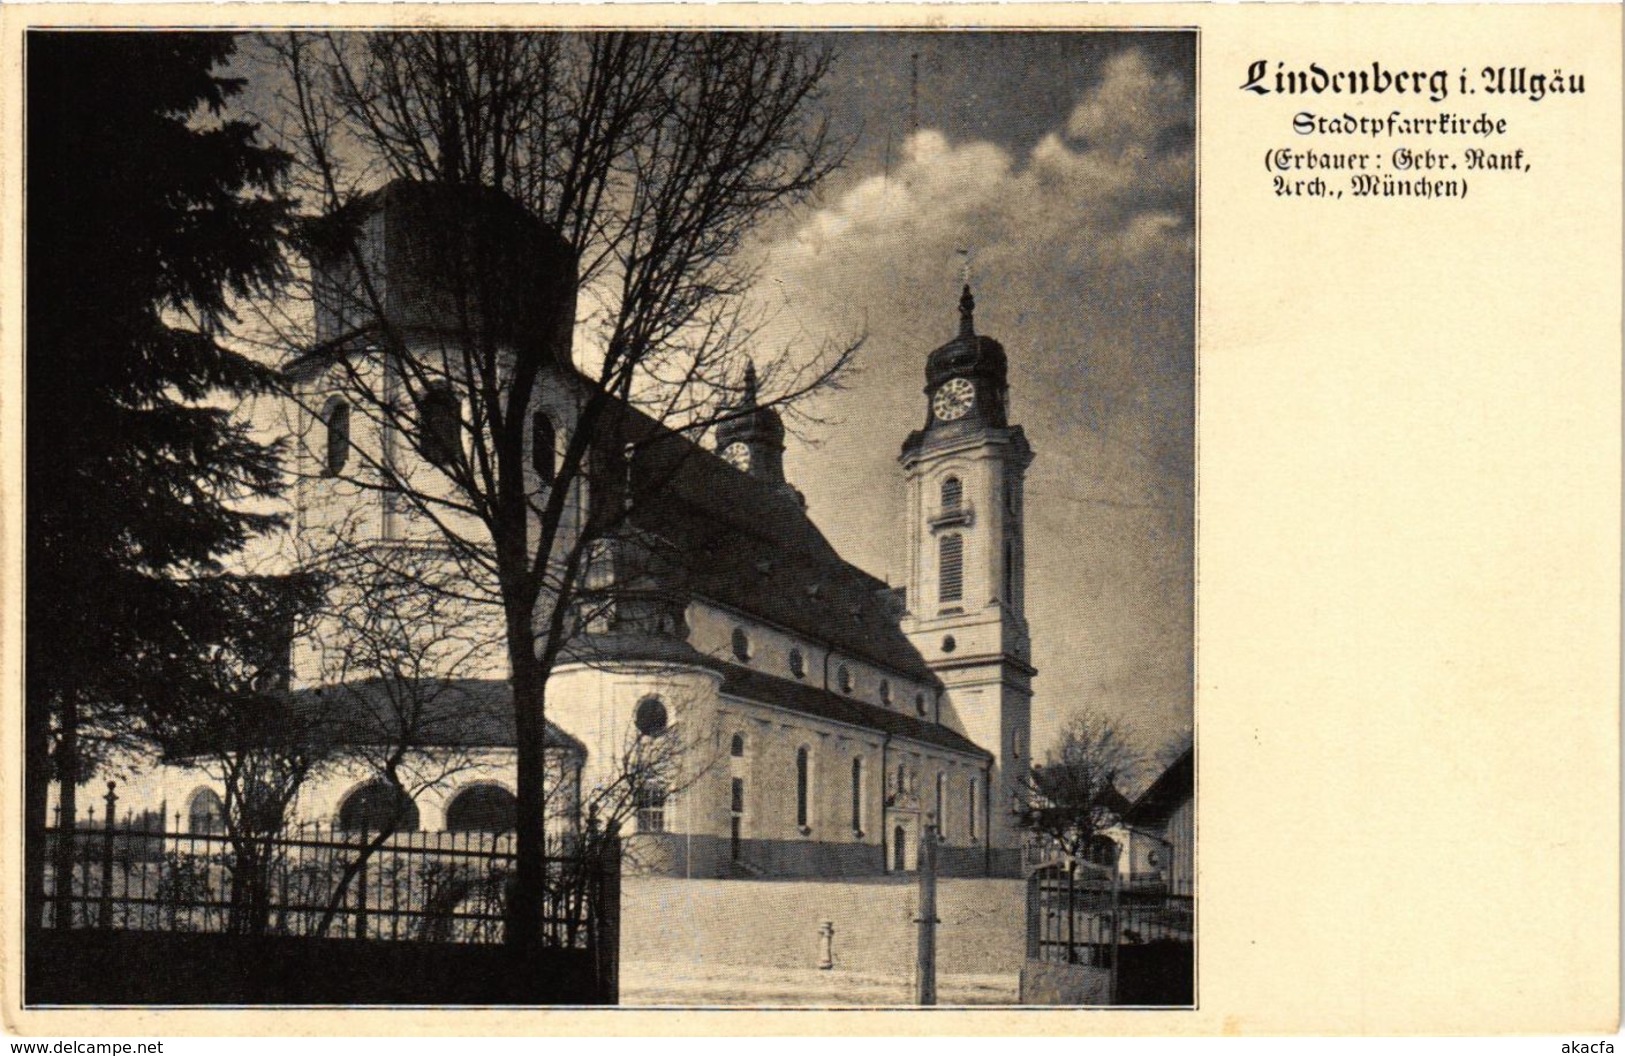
point(969, 354)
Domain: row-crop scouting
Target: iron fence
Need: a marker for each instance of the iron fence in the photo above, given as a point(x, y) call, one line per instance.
point(317, 880)
point(1081, 913)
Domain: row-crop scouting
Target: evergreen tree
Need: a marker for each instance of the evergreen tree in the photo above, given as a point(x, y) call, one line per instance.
point(147, 215)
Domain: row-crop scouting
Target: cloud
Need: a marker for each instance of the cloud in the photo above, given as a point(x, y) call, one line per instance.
point(1082, 256)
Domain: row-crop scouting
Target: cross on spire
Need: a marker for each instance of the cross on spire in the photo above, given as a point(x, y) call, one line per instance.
point(967, 303)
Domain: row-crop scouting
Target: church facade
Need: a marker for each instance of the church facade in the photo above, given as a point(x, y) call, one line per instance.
point(826, 719)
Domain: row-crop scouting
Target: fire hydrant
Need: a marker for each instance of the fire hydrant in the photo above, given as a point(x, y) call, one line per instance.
point(826, 945)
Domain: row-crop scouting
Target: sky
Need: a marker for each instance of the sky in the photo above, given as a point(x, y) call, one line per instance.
point(1064, 163)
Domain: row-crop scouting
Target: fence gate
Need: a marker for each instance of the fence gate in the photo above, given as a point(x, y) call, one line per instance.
point(1094, 940)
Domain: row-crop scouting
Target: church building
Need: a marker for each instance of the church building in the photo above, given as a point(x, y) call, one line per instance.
point(827, 719)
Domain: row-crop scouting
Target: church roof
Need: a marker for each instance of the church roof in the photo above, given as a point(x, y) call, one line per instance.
point(822, 704)
point(748, 545)
point(451, 713)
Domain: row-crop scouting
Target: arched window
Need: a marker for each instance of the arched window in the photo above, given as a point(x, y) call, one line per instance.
point(1009, 572)
point(843, 678)
point(803, 777)
point(337, 417)
point(741, 645)
point(482, 808)
point(970, 815)
point(440, 426)
point(953, 493)
point(919, 704)
point(650, 718)
point(951, 568)
point(737, 748)
point(205, 815)
point(378, 806)
point(651, 807)
point(942, 804)
point(857, 793)
point(542, 439)
point(798, 663)
point(885, 692)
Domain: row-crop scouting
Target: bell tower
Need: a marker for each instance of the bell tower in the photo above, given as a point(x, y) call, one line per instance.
point(751, 438)
point(967, 553)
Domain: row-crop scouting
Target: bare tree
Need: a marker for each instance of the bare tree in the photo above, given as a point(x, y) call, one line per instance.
point(1074, 794)
point(262, 763)
point(633, 165)
point(396, 657)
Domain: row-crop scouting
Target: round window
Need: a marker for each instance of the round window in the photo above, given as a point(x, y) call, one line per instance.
point(948, 644)
point(798, 664)
point(741, 643)
point(650, 718)
point(843, 678)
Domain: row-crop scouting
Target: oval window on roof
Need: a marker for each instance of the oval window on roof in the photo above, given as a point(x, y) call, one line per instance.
point(650, 717)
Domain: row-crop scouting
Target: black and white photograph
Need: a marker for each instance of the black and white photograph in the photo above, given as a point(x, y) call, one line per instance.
point(691, 519)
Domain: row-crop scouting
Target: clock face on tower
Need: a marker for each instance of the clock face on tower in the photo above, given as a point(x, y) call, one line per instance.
point(953, 400)
point(737, 456)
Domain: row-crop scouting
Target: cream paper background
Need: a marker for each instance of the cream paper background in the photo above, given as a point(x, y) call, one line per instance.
point(1408, 551)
